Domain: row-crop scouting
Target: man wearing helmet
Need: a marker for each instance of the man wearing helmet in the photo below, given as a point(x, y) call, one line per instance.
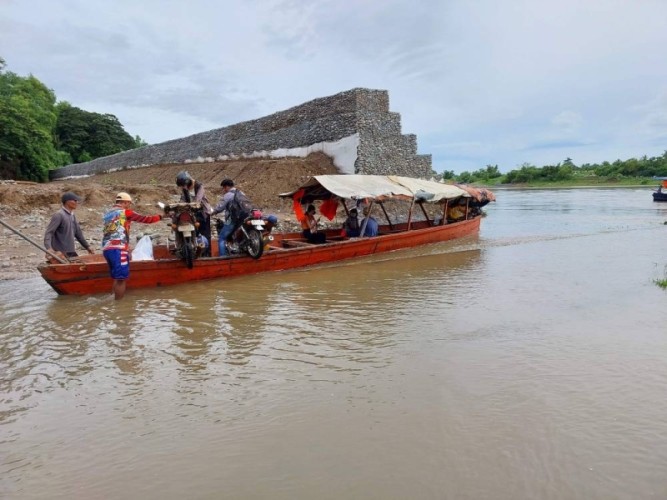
point(185, 181)
point(116, 240)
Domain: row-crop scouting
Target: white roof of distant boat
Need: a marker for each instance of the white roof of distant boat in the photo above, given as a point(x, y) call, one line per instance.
point(377, 187)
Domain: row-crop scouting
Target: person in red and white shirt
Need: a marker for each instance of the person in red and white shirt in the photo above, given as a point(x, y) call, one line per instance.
point(116, 240)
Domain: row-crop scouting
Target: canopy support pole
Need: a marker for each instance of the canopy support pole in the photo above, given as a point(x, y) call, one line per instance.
point(421, 205)
point(391, 226)
point(363, 226)
point(410, 214)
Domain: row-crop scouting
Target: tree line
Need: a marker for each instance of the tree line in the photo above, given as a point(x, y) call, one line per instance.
point(567, 171)
point(38, 134)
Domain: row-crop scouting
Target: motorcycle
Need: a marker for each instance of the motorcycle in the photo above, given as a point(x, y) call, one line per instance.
point(248, 237)
point(184, 227)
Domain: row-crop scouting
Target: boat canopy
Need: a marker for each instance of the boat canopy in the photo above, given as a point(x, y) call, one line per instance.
point(481, 195)
point(375, 187)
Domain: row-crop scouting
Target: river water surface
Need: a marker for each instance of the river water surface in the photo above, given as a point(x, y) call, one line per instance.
point(529, 362)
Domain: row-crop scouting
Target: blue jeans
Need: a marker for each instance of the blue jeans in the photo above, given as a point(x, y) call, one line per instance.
point(227, 230)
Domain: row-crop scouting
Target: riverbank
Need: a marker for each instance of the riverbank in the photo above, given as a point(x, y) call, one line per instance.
point(28, 206)
point(584, 183)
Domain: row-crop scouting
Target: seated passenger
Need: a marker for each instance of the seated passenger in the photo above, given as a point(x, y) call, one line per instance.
point(270, 222)
point(351, 225)
point(309, 226)
point(372, 226)
point(456, 212)
point(202, 245)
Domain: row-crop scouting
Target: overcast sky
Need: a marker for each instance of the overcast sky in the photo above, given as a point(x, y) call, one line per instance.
point(479, 82)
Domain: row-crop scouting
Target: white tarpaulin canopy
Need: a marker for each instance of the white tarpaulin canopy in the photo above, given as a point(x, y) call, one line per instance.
point(423, 189)
point(376, 187)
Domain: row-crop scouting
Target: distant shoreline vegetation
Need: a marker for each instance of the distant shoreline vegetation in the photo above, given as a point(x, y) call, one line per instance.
point(566, 174)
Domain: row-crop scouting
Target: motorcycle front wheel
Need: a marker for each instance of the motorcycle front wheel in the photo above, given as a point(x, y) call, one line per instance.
point(255, 244)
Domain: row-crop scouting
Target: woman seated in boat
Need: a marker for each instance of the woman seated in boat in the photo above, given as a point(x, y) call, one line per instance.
point(309, 226)
point(351, 227)
point(370, 225)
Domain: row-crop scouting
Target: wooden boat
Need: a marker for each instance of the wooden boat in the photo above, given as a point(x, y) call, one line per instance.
point(661, 193)
point(89, 274)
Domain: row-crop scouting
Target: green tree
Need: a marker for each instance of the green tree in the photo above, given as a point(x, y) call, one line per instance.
point(139, 142)
point(86, 135)
point(526, 173)
point(465, 177)
point(27, 121)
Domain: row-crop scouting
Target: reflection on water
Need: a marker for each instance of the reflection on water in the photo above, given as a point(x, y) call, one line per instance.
point(288, 317)
point(527, 363)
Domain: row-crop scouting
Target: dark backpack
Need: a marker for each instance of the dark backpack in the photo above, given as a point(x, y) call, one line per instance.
point(240, 207)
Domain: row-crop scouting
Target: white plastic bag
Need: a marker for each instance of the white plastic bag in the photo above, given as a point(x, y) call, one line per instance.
point(144, 249)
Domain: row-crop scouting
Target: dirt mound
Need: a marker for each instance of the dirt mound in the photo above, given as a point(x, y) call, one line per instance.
point(261, 179)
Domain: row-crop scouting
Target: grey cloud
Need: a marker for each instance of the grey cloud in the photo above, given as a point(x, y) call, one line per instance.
point(558, 144)
point(84, 63)
point(402, 37)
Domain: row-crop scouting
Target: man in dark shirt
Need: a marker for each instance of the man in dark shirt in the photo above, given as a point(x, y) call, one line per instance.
point(64, 229)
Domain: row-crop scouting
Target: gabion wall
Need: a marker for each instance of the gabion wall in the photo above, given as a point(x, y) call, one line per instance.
point(382, 148)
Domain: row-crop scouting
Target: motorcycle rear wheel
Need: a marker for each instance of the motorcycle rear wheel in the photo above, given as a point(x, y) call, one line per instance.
point(188, 253)
point(255, 244)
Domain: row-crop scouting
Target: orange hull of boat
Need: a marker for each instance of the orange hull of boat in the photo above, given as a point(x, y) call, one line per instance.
point(92, 274)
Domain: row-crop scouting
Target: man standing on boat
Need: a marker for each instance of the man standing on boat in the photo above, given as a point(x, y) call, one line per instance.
point(116, 240)
point(185, 181)
point(63, 229)
point(230, 194)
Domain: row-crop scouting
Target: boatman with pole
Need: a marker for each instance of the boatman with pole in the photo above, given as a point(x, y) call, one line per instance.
point(63, 229)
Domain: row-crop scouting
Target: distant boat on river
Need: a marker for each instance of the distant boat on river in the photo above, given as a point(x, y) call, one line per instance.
point(661, 193)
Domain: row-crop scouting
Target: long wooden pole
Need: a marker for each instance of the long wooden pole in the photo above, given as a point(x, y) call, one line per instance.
point(29, 240)
point(362, 230)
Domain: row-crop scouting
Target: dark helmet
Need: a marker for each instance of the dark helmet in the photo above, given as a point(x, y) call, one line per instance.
point(227, 182)
point(183, 179)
